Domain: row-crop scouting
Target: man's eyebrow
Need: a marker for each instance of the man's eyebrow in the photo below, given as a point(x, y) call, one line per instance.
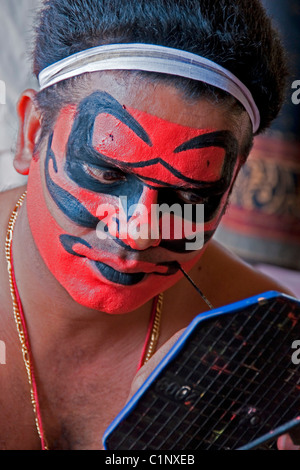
point(98, 159)
point(223, 139)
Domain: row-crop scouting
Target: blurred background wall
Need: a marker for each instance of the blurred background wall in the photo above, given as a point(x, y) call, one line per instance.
point(262, 224)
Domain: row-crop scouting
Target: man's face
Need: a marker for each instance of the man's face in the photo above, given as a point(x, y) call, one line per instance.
point(91, 195)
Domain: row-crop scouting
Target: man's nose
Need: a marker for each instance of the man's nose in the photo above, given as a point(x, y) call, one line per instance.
point(142, 228)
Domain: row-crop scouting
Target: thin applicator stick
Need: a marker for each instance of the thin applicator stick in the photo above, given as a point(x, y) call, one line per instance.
point(196, 287)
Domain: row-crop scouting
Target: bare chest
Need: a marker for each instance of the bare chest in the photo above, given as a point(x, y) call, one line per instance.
point(76, 417)
point(76, 408)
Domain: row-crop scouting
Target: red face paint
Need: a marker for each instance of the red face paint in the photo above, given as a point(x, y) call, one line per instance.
point(159, 162)
point(94, 158)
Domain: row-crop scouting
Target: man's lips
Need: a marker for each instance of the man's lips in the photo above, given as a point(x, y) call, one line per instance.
point(118, 277)
point(126, 266)
point(126, 272)
point(130, 279)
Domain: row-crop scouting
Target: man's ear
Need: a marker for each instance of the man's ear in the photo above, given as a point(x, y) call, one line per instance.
point(29, 131)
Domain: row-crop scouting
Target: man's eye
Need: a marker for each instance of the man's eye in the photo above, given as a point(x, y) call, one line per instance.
point(191, 198)
point(104, 176)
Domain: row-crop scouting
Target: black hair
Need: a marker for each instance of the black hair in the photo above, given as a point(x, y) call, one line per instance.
point(236, 34)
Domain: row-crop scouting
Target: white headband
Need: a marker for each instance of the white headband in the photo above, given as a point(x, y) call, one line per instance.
point(151, 58)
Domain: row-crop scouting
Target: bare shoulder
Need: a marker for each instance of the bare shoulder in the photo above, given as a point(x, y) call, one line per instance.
point(8, 201)
point(227, 278)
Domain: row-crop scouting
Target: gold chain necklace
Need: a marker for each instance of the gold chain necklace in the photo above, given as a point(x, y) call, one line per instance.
point(21, 328)
point(149, 349)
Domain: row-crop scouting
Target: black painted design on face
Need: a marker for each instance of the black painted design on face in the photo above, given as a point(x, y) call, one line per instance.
point(118, 277)
point(68, 204)
point(68, 242)
point(80, 152)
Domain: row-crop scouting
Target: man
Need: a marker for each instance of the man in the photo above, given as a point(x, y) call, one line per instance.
point(83, 299)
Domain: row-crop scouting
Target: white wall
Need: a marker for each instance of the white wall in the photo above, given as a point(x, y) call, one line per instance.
point(16, 22)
